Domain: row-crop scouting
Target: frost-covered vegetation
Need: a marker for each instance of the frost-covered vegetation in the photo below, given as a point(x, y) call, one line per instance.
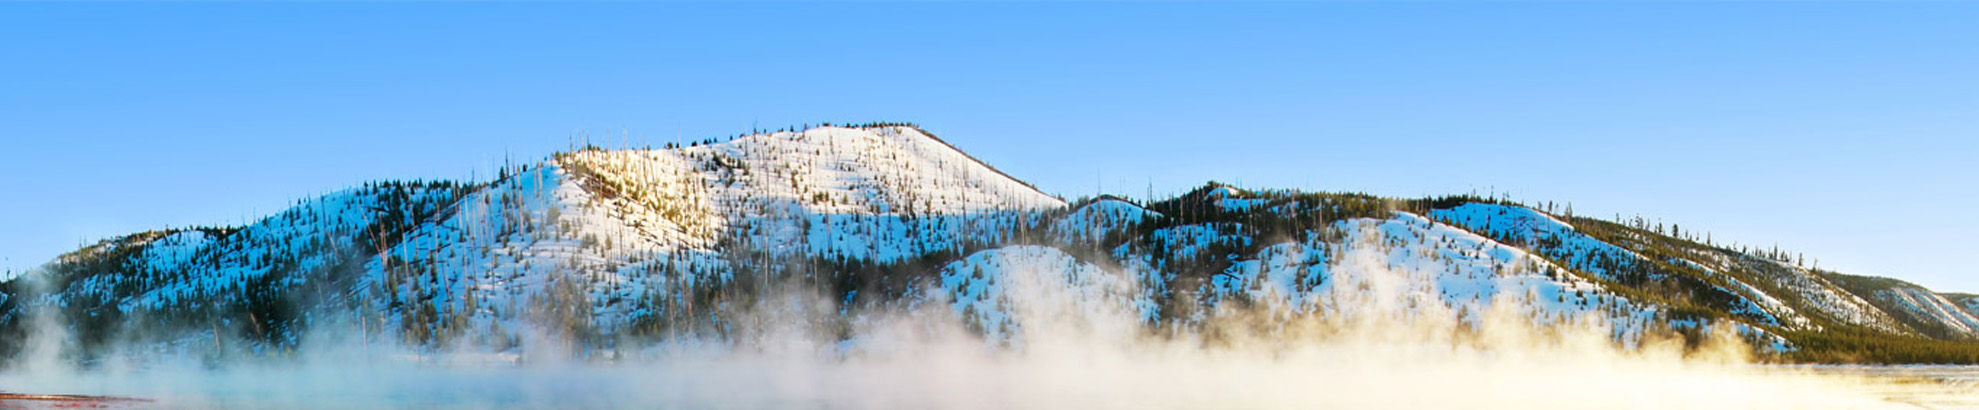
point(612, 251)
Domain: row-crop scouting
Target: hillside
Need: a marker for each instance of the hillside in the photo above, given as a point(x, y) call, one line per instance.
point(612, 250)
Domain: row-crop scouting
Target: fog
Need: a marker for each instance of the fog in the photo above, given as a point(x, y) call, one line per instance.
point(1376, 348)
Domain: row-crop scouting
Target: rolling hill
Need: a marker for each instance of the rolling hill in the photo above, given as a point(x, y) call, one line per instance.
point(608, 250)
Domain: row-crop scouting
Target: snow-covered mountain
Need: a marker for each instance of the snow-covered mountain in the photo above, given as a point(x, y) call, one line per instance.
point(603, 248)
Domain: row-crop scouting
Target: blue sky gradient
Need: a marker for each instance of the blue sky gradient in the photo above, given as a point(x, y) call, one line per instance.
point(1847, 131)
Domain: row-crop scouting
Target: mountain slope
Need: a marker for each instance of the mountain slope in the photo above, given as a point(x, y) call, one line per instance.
point(605, 250)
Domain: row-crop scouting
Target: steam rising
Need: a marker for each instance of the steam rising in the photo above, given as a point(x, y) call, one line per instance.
point(1377, 347)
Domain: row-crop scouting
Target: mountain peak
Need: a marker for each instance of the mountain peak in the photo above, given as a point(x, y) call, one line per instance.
point(871, 169)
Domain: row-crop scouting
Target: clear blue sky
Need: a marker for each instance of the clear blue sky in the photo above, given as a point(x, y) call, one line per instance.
point(1843, 130)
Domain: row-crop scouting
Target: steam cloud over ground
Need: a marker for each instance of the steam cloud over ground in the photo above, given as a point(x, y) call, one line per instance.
point(1376, 346)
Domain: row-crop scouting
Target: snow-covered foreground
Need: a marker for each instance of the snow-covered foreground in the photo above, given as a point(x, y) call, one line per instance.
point(1171, 381)
point(1927, 386)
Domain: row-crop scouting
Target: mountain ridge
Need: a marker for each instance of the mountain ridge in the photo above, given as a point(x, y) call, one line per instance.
point(607, 247)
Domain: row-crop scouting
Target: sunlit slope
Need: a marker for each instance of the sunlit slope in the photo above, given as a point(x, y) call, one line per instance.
point(613, 249)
